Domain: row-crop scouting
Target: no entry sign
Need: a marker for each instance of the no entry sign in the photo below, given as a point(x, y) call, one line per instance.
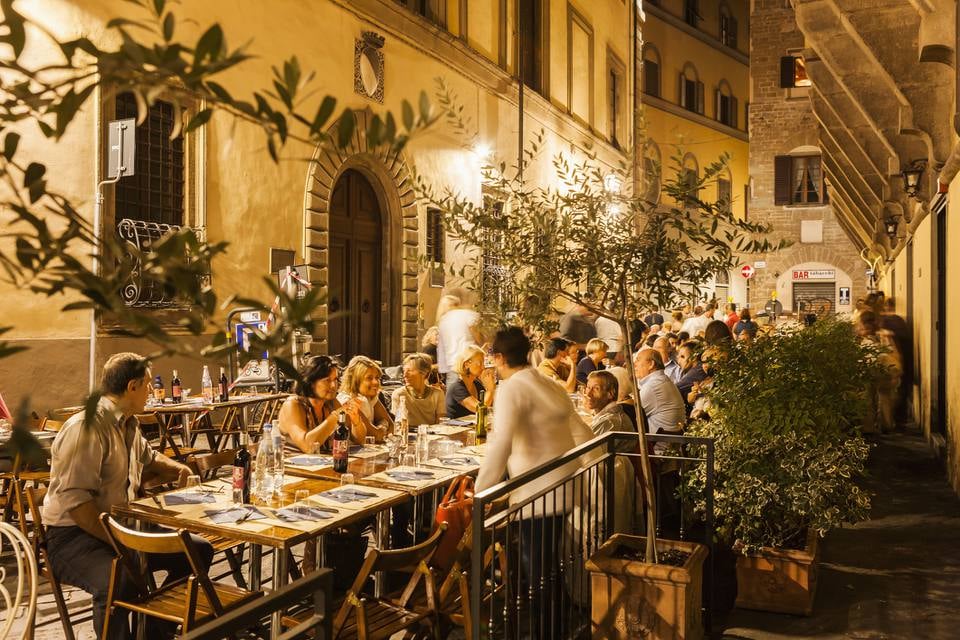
point(747, 271)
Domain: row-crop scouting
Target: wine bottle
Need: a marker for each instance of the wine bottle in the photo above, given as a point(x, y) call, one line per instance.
point(176, 388)
point(341, 445)
point(241, 471)
point(224, 386)
point(206, 385)
point(481, 415)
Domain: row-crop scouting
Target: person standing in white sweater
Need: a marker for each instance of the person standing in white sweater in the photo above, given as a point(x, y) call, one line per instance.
point(534, 422)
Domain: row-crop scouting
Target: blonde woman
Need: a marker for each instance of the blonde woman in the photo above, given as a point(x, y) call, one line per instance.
point(361, 384)
point(463, 395)
point(425, 404)
point(593, 361)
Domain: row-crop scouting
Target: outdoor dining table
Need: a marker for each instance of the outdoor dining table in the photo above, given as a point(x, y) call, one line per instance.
point(194, 410)
point(168, 510)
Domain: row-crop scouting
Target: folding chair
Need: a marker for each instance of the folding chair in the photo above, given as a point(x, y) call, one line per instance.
point(188, 601)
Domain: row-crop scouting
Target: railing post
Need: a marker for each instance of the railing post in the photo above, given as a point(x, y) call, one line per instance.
point(708, 619)
point(476, 569)
point(610, 491)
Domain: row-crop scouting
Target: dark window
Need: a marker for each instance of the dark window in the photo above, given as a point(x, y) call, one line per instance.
point(726, 109)
point(616, 82)
point(436, 240)
point(746, 203)
point(724, 194)
point(155, 193)
point(691, 178)
point(531, 44)
point(691, 93)
point(793, 72)
point(798, 180)
point(429, 9)
point(494, 285)
point(651, 77)
point(691, 12)
point(728, 30)
point(280, 259)
point(651, 179)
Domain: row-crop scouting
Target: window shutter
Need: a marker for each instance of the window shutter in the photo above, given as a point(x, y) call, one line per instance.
point(717, 97)
point(826, 194)
point(733, 112)
point(782, 166)
point(787, 71)
point(732, 31)
point(682, 91)
point(699, 97)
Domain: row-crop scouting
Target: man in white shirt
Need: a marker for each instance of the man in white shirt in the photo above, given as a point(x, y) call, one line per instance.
point(457, 329)
point(697, 324)
point(534, 422)
point(610, 332)
point(659, 397)
point(670, 366)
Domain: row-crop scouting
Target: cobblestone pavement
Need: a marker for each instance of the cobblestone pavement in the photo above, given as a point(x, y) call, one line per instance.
point(894, 576)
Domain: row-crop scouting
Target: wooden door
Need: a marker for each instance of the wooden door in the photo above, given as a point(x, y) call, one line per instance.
point(355, 268)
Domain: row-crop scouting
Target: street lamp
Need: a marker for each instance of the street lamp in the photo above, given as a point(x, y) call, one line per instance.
point(912, 176)
point(890, 224)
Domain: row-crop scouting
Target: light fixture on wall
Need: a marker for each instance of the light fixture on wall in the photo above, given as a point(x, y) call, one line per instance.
point(612, 183)
point(912, 177)
point(890, 224)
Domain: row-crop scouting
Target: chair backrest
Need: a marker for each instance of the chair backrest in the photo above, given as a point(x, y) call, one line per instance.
point(409, 559)
point(34, 500)
point(125, 540)
point(208, 463)
point(49, 424)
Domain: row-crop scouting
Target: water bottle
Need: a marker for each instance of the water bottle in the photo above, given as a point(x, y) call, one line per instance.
point(206, 385)
point(278, 463)
point(263, 476)
point(423, 444)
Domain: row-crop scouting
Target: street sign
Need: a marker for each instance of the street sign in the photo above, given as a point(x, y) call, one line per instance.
point(814, 274)
point(760, 264)
point(844, 297)
point(747, 271)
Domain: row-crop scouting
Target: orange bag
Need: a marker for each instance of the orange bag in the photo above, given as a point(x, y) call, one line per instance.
point(456, 510)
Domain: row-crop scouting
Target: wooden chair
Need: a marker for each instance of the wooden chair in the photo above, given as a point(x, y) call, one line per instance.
point(188, 601)
point(14, 482)
point(49, 424)
point(34, 499)
point(153, 429)
point(368, 618)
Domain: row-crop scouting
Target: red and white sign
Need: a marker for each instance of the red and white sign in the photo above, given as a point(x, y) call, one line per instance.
point(747, 271)
point(814, 274)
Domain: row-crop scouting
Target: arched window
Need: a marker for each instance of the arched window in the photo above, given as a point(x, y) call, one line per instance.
point(725, 104)
point(690, 178)
point(651, 172)
point(690, 89)
point(651, 70)
point(728, 27)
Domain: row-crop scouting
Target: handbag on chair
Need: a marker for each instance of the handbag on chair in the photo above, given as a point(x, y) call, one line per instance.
point(456, 510)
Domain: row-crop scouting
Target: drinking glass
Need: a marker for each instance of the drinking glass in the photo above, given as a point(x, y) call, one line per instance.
point(409, 460)
point(300, 497)
point(470, 438)
point(369, 441)
point(346, 479)
point(316, 448)
point(193, 484)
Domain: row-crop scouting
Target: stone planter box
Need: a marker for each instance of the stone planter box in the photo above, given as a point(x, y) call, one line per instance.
point(633, 599)
point(779, 580)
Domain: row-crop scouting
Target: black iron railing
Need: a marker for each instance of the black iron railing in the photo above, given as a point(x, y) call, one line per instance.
point(140, 290)
point(252, 619)
point(528, 575)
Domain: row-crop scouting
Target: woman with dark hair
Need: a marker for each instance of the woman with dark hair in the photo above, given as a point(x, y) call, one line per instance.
point(717, 333)
point(309, 417)
point(746, 324)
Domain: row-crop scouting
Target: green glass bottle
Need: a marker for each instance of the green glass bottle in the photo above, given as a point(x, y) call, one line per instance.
point(481, 416)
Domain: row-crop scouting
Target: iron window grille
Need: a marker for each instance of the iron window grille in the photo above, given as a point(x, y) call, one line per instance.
point(141, 290)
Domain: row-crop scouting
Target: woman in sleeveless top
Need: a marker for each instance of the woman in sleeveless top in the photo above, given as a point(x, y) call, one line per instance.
point(361, 385)
point(310, 416)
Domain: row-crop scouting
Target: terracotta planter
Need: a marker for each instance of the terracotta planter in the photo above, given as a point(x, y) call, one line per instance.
point(779, 580)
point(633, 599)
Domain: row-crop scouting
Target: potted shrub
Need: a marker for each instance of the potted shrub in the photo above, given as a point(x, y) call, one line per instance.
point(788, 455)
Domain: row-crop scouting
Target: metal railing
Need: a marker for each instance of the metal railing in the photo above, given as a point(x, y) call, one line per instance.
point(251, 620)
point(140, 290)
point(527, 573)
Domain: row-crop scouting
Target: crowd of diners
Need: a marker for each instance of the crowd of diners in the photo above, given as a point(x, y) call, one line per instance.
point(548, 396)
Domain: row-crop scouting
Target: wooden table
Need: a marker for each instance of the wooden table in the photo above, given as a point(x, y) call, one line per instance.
point(281, 538)
point(193, 414)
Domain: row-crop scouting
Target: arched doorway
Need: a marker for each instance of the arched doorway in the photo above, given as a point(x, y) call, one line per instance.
point(355, 268)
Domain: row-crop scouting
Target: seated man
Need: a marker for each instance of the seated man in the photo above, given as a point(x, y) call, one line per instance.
point(659, 398)
point(557, 364)
point(601, 397)
point(96, 466)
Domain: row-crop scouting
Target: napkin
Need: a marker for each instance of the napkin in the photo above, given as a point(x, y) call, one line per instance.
point(459, 461)
point(458, 423)
point(232, 514)
point(410, 476)
point(346, 494)
point(310, 461)
point(301, 513)
point(174, 499)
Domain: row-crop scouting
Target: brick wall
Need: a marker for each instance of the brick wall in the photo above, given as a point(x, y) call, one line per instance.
point(778, 124)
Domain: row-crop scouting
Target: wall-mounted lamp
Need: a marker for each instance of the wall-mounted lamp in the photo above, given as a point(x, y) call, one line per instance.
point(912, 176)
point(612, 183)
point(890, 224)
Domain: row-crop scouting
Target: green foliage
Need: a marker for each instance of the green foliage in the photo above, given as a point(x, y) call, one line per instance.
point(784, 415)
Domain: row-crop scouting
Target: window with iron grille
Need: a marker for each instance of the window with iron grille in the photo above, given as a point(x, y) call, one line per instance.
point(436, 247)
point(691, 12)
point(156, 192)
point(728, 30)
point(724, 193)
point(494, 286)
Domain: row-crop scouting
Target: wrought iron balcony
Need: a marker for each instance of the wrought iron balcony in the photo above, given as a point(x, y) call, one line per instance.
point(140, 290)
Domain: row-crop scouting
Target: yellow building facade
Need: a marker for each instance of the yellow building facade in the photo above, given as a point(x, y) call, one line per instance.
point(694, 94)
point(341, 214)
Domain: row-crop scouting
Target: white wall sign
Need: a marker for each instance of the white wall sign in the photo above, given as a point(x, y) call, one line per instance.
point(760, 264)
point(844, 297)
point(814, 274)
